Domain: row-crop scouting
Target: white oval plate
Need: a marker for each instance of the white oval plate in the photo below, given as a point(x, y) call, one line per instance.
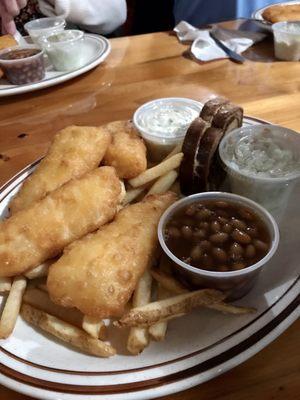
point(258, 13)
point(198, 347)
point(99, 48)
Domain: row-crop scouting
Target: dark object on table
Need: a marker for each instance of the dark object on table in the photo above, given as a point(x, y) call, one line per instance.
point(231, 54)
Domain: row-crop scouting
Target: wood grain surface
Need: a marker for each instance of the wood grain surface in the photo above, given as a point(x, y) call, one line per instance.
point(141, 68)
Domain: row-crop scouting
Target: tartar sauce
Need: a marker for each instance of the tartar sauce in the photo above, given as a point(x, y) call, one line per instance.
point(163, 123)
point(168, 119)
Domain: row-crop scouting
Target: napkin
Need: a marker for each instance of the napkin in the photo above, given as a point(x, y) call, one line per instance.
point(204, 48)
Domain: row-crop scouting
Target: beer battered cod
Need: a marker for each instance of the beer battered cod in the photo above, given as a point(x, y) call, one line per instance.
point(42, 230)
point(74, 151)
point(282, 12)
point(99, 273)
point(6, 41)
point(127, 151)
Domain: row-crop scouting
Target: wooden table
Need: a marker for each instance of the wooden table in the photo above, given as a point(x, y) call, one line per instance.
point(139, 69)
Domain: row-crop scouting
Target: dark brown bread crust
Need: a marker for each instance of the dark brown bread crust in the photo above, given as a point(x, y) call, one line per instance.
point(211, 107)
point(190, 148)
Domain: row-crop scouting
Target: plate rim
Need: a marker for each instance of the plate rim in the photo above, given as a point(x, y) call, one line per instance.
point(257, 14)
point(291, 309)
point(64, 77)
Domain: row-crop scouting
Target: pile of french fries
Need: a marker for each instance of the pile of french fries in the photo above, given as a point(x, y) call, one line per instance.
point(158, 296)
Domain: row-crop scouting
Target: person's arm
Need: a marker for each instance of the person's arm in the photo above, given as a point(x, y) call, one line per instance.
point(98, 16)
point(8, 10)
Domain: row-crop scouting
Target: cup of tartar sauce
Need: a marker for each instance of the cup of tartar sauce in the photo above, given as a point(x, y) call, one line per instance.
point(163, 123)
point(287, 40)
point(263, 164)
point(66, 50)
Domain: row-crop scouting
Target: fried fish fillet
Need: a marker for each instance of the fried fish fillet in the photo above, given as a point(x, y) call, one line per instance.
point(282, 12)
point(127, 151)
point(42, 230)
point(74, 151)
point(99, 273)
point(5, 42)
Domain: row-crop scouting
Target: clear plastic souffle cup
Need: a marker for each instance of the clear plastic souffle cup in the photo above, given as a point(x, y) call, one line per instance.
point(163, 123)
point(41, 27)
point(287, 40)
point(263, 164)
point(236, 283)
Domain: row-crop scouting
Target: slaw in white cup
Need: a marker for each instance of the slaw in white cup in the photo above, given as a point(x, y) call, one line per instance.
point(236, 283)
point(271, 192)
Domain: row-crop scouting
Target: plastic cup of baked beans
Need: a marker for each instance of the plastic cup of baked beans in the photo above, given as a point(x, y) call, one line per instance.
point(229, 240)
point(22, 65)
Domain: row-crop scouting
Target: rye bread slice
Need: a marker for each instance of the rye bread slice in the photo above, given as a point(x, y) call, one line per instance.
point(205, 157)
point(211, 107)
point(190, 149)
point(228, 117)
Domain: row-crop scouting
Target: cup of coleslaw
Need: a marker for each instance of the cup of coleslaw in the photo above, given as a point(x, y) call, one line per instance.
point(263, 164)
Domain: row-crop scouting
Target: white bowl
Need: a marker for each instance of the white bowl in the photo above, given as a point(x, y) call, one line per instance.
point(236, 283)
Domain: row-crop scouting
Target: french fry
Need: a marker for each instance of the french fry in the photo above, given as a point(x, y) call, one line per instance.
point(5, 285)
point(171, 284)
point(66, 332)
point(168, 282)
point(176, 188)
point(167, 309)
point(164, 183)
point(123, 191)
point(41, 300)
point(132, 194)
point(158, 331)
point(157, 171)
point(231, 309)
point(94, 327)
point(138, 337)
point(12, 307)
point(40, 270)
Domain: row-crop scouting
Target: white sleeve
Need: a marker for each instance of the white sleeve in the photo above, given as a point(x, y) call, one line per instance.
point(98, 16)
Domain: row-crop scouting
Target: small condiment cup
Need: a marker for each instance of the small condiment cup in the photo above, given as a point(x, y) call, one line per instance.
point(271, 192)
point(287, 40)
point(66, 50)
point(159, 143)
point(236, 283)
point(41, 27)
point(23, 70)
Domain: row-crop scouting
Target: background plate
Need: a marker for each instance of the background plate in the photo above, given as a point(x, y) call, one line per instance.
point(198, 346)
point(258, 13)
point(99, 47)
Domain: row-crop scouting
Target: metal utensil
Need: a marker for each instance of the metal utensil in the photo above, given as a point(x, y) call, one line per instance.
point(232, 54)
point(261, 21)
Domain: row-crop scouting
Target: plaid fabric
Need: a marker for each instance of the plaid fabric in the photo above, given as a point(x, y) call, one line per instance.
point(31, 11)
